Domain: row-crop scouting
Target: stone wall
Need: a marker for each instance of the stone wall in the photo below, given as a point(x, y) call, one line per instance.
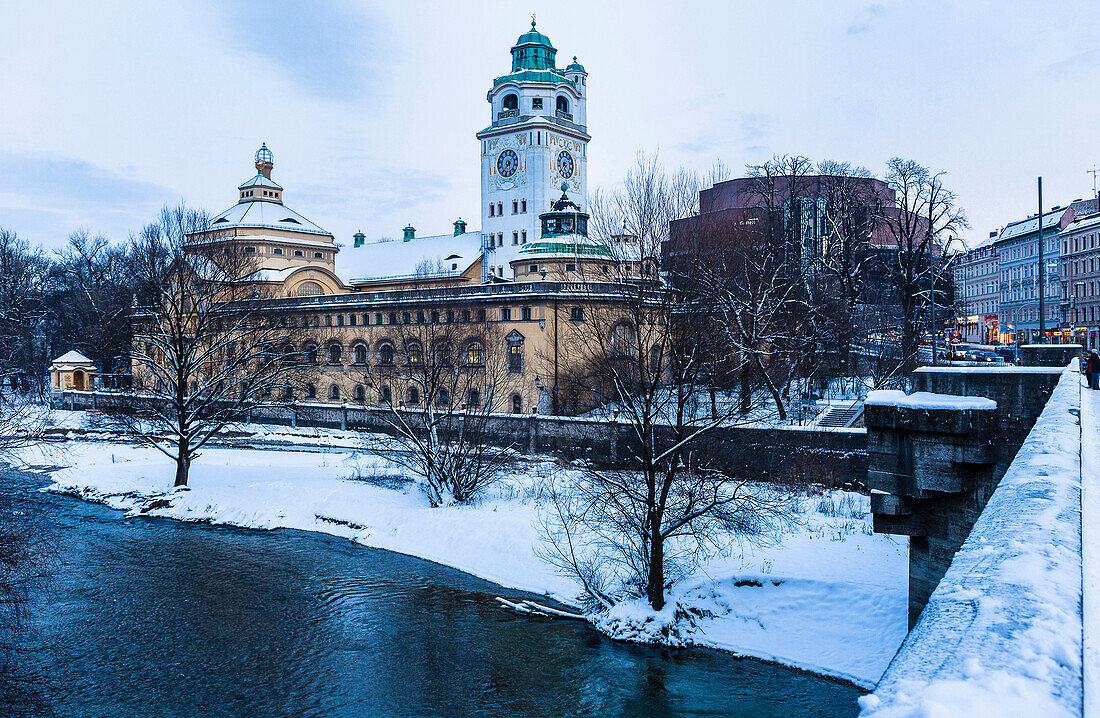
point(834, 457)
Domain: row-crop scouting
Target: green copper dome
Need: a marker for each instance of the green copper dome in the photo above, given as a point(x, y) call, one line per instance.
point(533, 51)
point(575, 66)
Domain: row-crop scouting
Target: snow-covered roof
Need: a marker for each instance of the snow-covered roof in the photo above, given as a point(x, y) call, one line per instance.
point(271, 239)
point(1029, 225)
point(72, 357)
point(260, 181)
point(257, 213)
point(1089, 221)
point(448, 254)
point(926, 400)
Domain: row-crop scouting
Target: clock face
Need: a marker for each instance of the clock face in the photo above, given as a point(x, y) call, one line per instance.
point(565, 164)
point(507, 163)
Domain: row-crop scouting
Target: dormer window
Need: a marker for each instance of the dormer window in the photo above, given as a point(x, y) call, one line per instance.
point(220, 220)
point(290, 219)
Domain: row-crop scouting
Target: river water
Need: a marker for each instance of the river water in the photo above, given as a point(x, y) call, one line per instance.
point(153, 617)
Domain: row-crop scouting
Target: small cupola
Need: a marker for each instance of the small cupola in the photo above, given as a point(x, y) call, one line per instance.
point(460, 226)
point(533, 51)
point(262, 187)
point(410, 233)
point(359, 238)
point(565, 217)
point(264, 160)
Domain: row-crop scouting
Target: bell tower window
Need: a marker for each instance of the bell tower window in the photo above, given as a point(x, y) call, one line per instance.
point(563, 104)
point(511, 102)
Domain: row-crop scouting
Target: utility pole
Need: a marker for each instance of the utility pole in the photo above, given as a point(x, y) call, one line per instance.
point(932, 278)
point(1042, 274)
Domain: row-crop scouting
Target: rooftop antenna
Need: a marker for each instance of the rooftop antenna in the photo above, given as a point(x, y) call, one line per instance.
point(1095, 171)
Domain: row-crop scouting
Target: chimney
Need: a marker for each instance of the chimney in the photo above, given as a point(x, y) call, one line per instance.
point(992, 233)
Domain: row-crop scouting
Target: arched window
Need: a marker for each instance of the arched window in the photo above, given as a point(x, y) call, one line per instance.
point(310, 289)
point(473, 399)
point(311, 391)
point(335, 353)
point(475, 354)
point(517, 404)
point(385, 354)
point(334, 392)
point(414, 354)
point(311, 354)
point(287, 355)
point(288, 393)
point(412, 396)
point(384, 395)
point(443, 398)
point(562, 104)
point(623, 342)
point(360, 394)
point(511, 102)
point(360, 354)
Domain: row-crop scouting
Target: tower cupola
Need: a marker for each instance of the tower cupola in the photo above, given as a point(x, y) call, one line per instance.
point(533, 51)
point(264, 160)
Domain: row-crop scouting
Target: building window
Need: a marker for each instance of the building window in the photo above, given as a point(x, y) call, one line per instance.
point(249, 250)
point(351, 319)
point(277, 251)
point(515, 355)
point(443, 398)
point(443, 354)
point(311, 391)
point(515, 207)
point(360, 354)
point(473, 399)
point(523, 237)
point(532, 268)
point(317, 255)
point(536, 103)
point(435, 317)
point(335, 353)
point(511, 102)
point(500, 208)
point(571, 267)
point(334, 392)
point(412, 396)
point(492, 209)
point(523, 206)
point(517, 404)
point(299, 253)
point(481, 315)
point(385, 354)
point(420, 317)
point(328, 321)
point(475, 354)
point(515, 238)
point(406, 318)
point(384, 395)
point(393, 317)
point(576, 314)
point(525, 314)
point(360, 394)
point(506, 314)
point(450, 316)
point(415, 354)
point(339, 320)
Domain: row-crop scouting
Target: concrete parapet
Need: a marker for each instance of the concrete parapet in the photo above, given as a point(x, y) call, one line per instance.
point(1057, 355)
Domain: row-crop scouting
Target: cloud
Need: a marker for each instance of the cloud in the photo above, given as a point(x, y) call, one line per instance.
point(1073, 64)
point(47, 196)
point(323, 46)
point(746, 130)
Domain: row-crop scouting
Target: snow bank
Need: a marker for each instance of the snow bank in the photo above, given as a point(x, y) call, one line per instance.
point(1001, 634)
point(1090, 546)
point(1009, 369)
point(927, 400)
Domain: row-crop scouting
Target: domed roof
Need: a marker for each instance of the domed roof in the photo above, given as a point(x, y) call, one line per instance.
point(534, 37)
point(264, 155)
point(575, 66)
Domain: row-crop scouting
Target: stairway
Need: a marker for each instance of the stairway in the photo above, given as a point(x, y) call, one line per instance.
point(840, 415)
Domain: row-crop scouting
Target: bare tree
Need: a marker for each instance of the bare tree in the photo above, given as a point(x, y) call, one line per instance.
point(23, 272)
point(205, 351)
point(440, 381)
point(921, 226)
point(650, 358)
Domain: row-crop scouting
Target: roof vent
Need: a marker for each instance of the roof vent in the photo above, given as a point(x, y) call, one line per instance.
point(289, 219)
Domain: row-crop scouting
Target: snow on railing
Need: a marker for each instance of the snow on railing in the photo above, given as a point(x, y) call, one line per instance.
point(1002, 633)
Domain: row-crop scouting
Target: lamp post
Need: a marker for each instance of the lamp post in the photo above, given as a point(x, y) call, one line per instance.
point(1042, 273)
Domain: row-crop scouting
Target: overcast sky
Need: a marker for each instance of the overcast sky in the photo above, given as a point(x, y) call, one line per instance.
point(109, 110)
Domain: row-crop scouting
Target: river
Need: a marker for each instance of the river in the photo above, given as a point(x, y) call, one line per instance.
point(153, 617)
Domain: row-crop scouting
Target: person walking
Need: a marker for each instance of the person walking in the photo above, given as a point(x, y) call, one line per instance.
point(1092, 368)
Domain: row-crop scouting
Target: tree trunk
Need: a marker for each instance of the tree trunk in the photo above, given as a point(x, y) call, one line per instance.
point(183, 462)
point(746, 390)
point(655, 591)
point(774, 391)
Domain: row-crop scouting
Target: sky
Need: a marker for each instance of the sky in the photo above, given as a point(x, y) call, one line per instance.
point(112, 110)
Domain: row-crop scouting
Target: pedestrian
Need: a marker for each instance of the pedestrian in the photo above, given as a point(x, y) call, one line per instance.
point(1092, 368)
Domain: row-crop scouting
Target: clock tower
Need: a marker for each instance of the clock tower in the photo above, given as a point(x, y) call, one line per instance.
point(538, 140)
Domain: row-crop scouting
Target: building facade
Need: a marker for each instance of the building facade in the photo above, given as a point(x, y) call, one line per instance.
point(1080, 272)
point(514, 289)
point(978, 292)
point(1017, 249)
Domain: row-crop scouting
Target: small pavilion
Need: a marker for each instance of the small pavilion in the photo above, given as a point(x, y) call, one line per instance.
point(72, 371)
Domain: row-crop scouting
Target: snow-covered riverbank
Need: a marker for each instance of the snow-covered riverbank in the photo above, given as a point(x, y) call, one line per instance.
point(830, 598)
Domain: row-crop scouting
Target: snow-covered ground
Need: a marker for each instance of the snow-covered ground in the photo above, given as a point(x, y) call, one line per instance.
point(830, 597)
